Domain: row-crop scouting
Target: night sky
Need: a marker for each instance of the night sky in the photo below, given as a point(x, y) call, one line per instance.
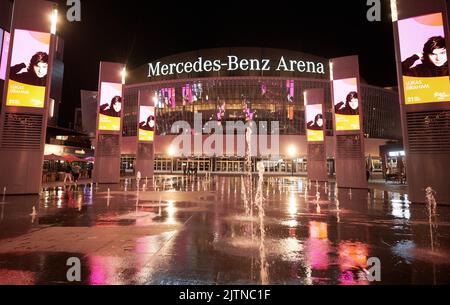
point(137, 32)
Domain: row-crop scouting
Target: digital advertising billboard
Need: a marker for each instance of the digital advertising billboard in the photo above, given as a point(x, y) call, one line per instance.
point(28, 70)
point(146, 123)
point(187, 94)
point(197, 92)
point(166, 98)
point(315, 123)
point(346, 104)
point(4, 54)
point(423, 52)
point(110, 111)
point(2, 32)
point(290, 91)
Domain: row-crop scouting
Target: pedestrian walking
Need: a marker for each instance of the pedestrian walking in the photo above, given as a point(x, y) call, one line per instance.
point(76, 173)
point(68, 173)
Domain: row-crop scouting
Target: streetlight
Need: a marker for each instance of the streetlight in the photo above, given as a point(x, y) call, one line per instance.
point(394, 10)
point(171, 153)
point(292, 152)
point(124, 75)
point(54, 20)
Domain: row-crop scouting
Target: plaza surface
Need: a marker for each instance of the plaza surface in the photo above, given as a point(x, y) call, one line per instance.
point(222, 230)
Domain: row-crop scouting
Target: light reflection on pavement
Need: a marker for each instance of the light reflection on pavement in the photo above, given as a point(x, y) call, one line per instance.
point(197, 231)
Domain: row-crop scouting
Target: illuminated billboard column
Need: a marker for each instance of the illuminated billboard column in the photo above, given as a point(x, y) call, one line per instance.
point(23, 122)
point(348, 123)
point(109, 123)
point(146, 134)
point(421, 44)
point(315, 134)
point(5, 43)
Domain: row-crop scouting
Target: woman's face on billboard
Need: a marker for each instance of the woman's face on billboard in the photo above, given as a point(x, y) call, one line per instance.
point(354, 103)
point(320, 122)
point(117, 106)
point(41, 69)
point(438, 57)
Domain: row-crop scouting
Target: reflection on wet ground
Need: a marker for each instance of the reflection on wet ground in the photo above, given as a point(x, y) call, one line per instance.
point(180, 230)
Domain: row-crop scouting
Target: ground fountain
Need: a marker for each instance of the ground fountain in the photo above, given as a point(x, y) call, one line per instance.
point(253, 200)
point(431, 200)
point(244, 197)
point(432, 209)
point(34, 212)
point(318, 209)
point(138, 179)
point(259, 199)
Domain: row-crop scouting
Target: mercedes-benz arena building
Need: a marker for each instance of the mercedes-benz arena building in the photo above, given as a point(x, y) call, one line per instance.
point(237, 84)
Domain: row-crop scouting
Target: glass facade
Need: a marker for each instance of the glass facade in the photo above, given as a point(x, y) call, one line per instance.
point(230, 165)
point(256, 98)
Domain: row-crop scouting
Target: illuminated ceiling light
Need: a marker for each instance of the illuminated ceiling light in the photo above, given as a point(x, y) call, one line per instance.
point(54, 20)
point(394, 11)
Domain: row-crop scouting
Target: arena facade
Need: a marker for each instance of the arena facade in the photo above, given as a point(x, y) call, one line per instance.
point(241, 84)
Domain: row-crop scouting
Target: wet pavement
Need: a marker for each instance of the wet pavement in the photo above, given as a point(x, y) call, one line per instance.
point(222, 230)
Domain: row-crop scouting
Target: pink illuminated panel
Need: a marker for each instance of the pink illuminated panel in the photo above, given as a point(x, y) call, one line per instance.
point(290, 91)
point(4, 54)
point(166, 98)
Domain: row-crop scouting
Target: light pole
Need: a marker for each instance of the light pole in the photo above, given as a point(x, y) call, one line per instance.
point(171, 153)
point(292, 152)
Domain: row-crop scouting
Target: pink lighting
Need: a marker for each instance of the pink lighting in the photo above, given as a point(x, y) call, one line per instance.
point(318, 245)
